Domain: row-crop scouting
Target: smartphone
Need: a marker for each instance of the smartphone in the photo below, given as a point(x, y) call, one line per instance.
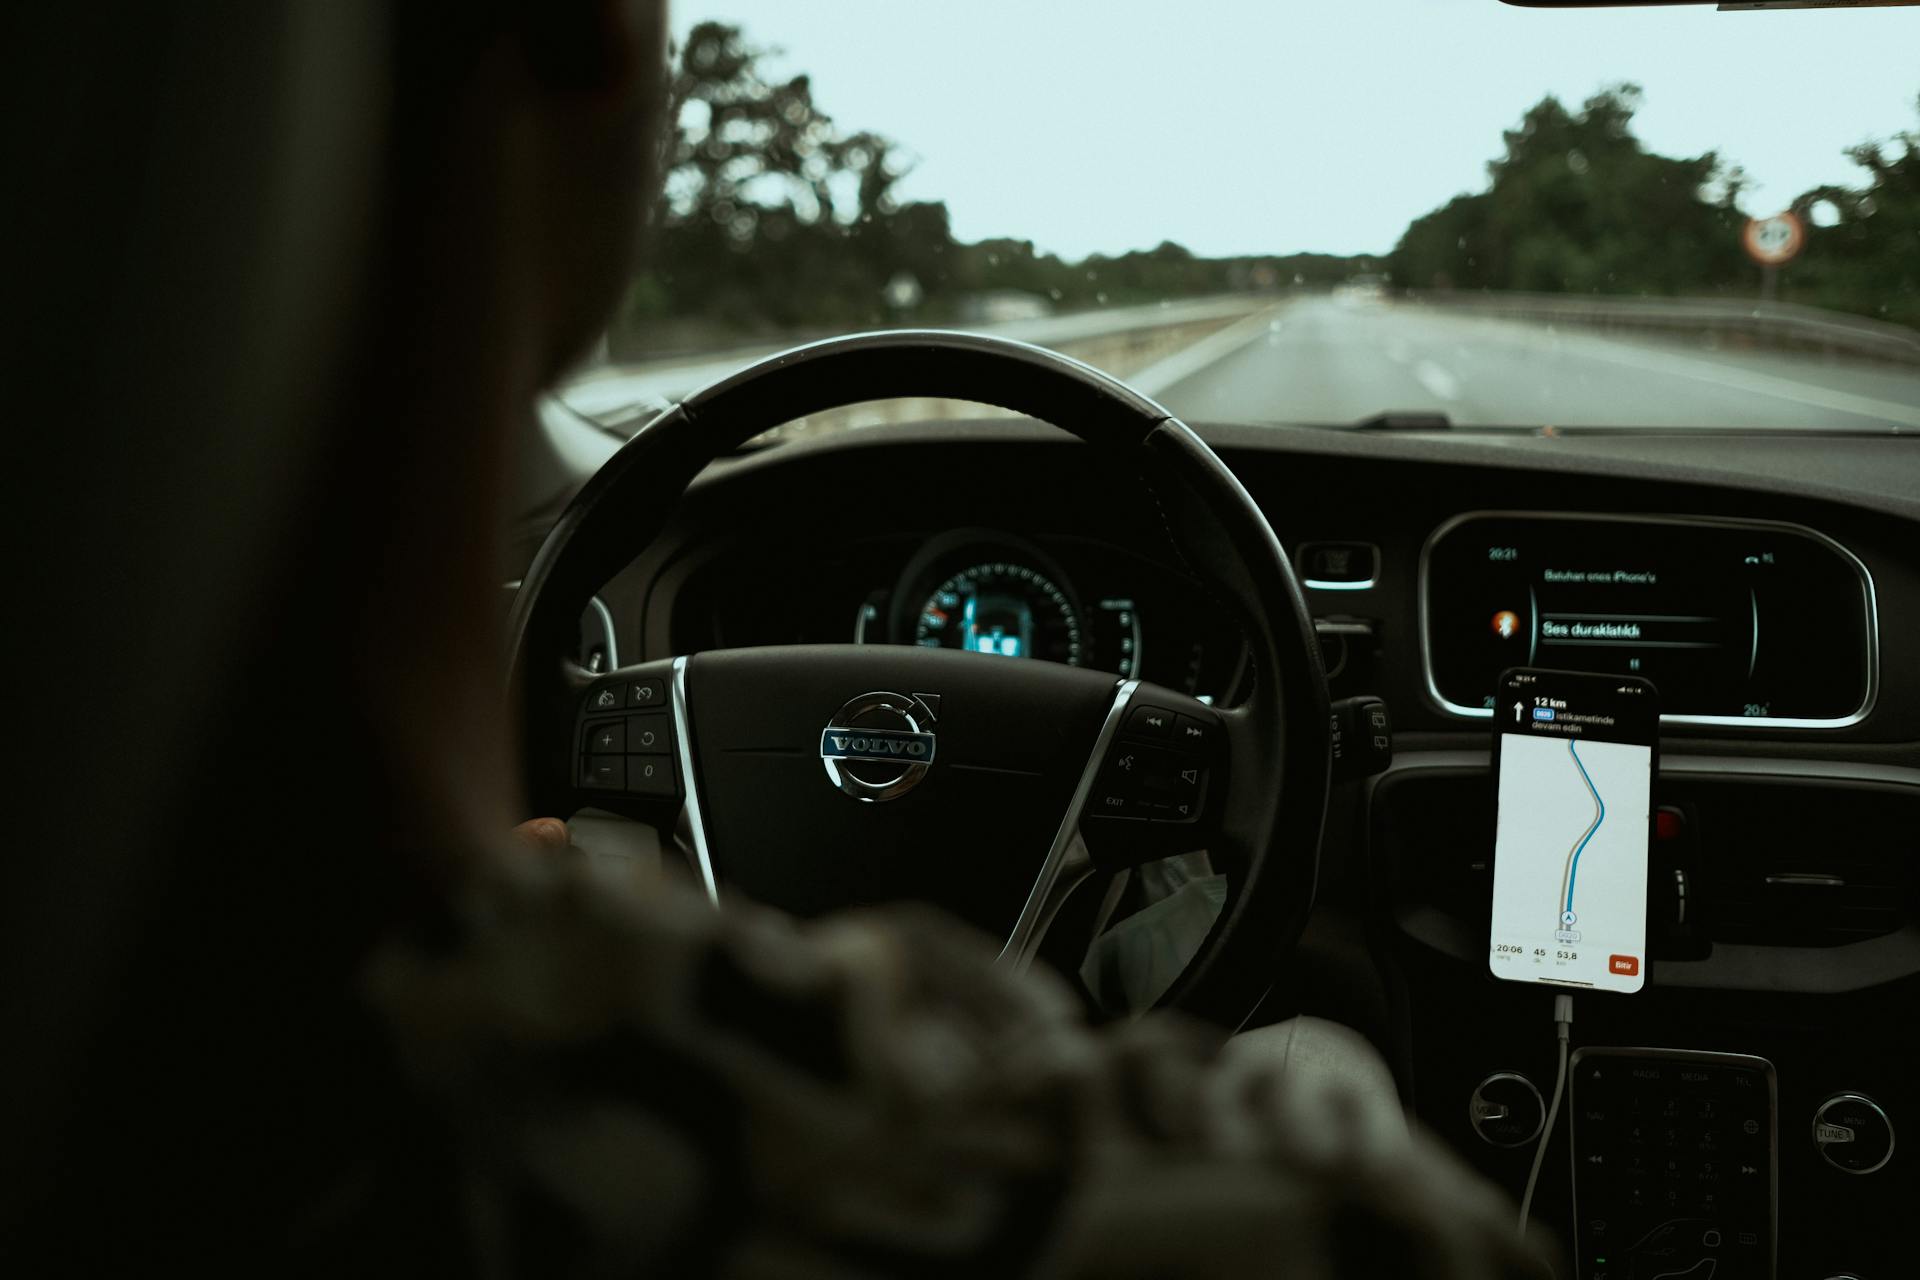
point(1573, 761)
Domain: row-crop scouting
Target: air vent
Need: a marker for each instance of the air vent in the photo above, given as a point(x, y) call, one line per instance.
point(1436, 833)
point(1823, 901)
point(1810, 865)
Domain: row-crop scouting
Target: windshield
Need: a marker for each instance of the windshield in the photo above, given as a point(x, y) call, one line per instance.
point(1417, 212)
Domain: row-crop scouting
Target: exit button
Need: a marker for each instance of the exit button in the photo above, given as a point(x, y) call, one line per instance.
point(1626, 966)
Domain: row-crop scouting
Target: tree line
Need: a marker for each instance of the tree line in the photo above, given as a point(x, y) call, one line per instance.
point(1577, 204)
point(777, 221)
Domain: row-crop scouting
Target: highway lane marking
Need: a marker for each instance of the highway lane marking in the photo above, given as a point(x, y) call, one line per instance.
point(1762, 384)
point(1212, 349)
point(1723, 376)
point(1437, 380)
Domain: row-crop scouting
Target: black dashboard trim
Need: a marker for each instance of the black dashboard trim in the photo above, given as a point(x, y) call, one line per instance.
point(1878, 473)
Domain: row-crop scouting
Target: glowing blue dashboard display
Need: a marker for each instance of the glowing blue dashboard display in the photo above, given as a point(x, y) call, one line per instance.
point(1003, 628)
point(1001, 608)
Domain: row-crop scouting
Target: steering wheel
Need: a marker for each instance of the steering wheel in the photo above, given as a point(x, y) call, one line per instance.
point(823, 776)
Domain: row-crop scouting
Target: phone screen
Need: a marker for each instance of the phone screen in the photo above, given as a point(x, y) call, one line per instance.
point(1573, 761)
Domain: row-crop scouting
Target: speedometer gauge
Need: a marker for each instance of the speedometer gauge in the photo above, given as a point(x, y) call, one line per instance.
point(1001, 608)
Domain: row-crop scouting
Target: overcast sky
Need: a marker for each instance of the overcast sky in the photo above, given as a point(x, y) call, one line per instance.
point(1274, 126)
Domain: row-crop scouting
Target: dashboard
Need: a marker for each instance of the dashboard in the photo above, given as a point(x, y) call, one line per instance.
point(1765, 584)
point(1743, 624)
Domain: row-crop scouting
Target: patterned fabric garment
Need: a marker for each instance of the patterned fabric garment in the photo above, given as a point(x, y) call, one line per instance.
point(636, 1084)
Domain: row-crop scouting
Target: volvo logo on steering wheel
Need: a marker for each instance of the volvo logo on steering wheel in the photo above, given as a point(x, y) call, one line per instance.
point(878, 746)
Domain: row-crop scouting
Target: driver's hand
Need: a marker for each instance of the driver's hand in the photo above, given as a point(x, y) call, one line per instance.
point(543, 835)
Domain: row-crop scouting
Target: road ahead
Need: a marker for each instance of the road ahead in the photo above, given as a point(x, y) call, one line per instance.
point(1329, 360)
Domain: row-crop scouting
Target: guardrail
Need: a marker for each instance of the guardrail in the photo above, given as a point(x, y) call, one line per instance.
point(1119, 340)
point(1771, 325)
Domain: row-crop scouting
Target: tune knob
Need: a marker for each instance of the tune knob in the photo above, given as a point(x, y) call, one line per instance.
point(1853, 1133)
point(1506, 1110)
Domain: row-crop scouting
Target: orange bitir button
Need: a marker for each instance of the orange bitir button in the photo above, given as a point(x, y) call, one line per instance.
point(1627, 966)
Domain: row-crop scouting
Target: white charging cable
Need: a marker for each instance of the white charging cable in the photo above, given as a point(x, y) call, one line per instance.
point(1562, 1021)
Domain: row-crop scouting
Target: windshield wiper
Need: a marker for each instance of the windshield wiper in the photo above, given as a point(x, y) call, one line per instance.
point(1405, 420)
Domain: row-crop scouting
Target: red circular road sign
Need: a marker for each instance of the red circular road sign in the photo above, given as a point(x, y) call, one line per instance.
point(1773, 241)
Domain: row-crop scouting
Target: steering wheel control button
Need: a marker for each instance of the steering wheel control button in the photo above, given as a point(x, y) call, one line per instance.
point(1506, 1110)
point(879, 745)
point(1853, 1134)
point(605, 698)
point(650, 734)
point(1147, 781)
point(650, 776)
point(603, 773)
point(1150, 722)
point(1190, 733)
point(1111, 799)
point(605, 738)
point(1156, 771)
point(651, 692)
point(1116, 793)
point(1151, 779)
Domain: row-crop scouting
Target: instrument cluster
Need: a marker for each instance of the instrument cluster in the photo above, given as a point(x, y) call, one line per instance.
point(1076, 601)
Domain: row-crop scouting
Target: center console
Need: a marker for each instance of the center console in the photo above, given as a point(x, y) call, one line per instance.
point(1674, 1164)
point(1739, 1116)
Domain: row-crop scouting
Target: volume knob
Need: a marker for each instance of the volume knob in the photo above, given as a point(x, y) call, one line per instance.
point(1852, 1133)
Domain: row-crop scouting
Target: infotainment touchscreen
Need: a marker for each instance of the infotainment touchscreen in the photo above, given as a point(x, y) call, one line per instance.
point(1733, 621)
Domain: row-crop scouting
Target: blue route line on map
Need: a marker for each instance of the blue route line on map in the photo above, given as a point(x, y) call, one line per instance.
point(1574, 872)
